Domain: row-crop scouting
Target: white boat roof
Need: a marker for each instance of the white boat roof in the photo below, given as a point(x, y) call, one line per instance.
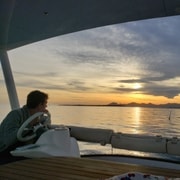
point(27, 21)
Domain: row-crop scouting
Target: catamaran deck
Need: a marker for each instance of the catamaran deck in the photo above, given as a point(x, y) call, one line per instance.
point(75, 168)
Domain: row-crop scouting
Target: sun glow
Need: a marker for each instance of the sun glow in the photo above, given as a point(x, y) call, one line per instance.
point(137, 86)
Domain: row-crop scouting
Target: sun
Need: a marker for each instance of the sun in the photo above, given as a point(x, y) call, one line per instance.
point(137, 86)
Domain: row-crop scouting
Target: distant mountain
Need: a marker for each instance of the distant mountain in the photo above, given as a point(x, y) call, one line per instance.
point(134, 104)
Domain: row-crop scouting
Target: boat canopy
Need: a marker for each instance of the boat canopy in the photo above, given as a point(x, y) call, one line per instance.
point(26, 21)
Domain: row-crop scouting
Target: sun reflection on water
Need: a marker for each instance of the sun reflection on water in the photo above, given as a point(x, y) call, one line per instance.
point(137, 118)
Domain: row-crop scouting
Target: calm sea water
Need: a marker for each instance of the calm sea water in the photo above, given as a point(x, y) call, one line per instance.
point(134, 120)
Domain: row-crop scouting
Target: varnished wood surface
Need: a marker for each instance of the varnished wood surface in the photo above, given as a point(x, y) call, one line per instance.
point(74, 168)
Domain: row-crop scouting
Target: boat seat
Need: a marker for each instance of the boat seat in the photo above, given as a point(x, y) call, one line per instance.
point(155, 144)
point(54, 142)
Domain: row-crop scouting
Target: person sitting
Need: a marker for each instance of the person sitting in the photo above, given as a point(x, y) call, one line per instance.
point(36, 102)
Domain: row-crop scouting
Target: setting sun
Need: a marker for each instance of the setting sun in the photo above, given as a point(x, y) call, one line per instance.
point(137, 86)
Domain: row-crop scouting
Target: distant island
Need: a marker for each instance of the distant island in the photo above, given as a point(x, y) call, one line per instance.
point(133, 104)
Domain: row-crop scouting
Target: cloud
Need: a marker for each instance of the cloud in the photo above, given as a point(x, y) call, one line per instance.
point(39, 80)
point(108, 58)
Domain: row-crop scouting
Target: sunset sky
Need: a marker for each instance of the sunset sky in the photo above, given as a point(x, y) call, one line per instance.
point(129, 62)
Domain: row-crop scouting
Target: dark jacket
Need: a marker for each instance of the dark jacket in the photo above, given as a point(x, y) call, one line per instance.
point(10, 126)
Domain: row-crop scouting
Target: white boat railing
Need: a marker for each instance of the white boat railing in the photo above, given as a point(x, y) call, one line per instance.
point(135, 142)
point(96, 135)
point(173, 146)
point(154, 144)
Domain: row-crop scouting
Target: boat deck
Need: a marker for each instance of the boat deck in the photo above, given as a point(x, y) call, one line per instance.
point(74, 168)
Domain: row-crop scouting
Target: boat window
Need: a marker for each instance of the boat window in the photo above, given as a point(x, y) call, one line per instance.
point(126, 65)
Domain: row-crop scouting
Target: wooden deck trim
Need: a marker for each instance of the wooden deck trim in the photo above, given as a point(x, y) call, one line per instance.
point(74, 168)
